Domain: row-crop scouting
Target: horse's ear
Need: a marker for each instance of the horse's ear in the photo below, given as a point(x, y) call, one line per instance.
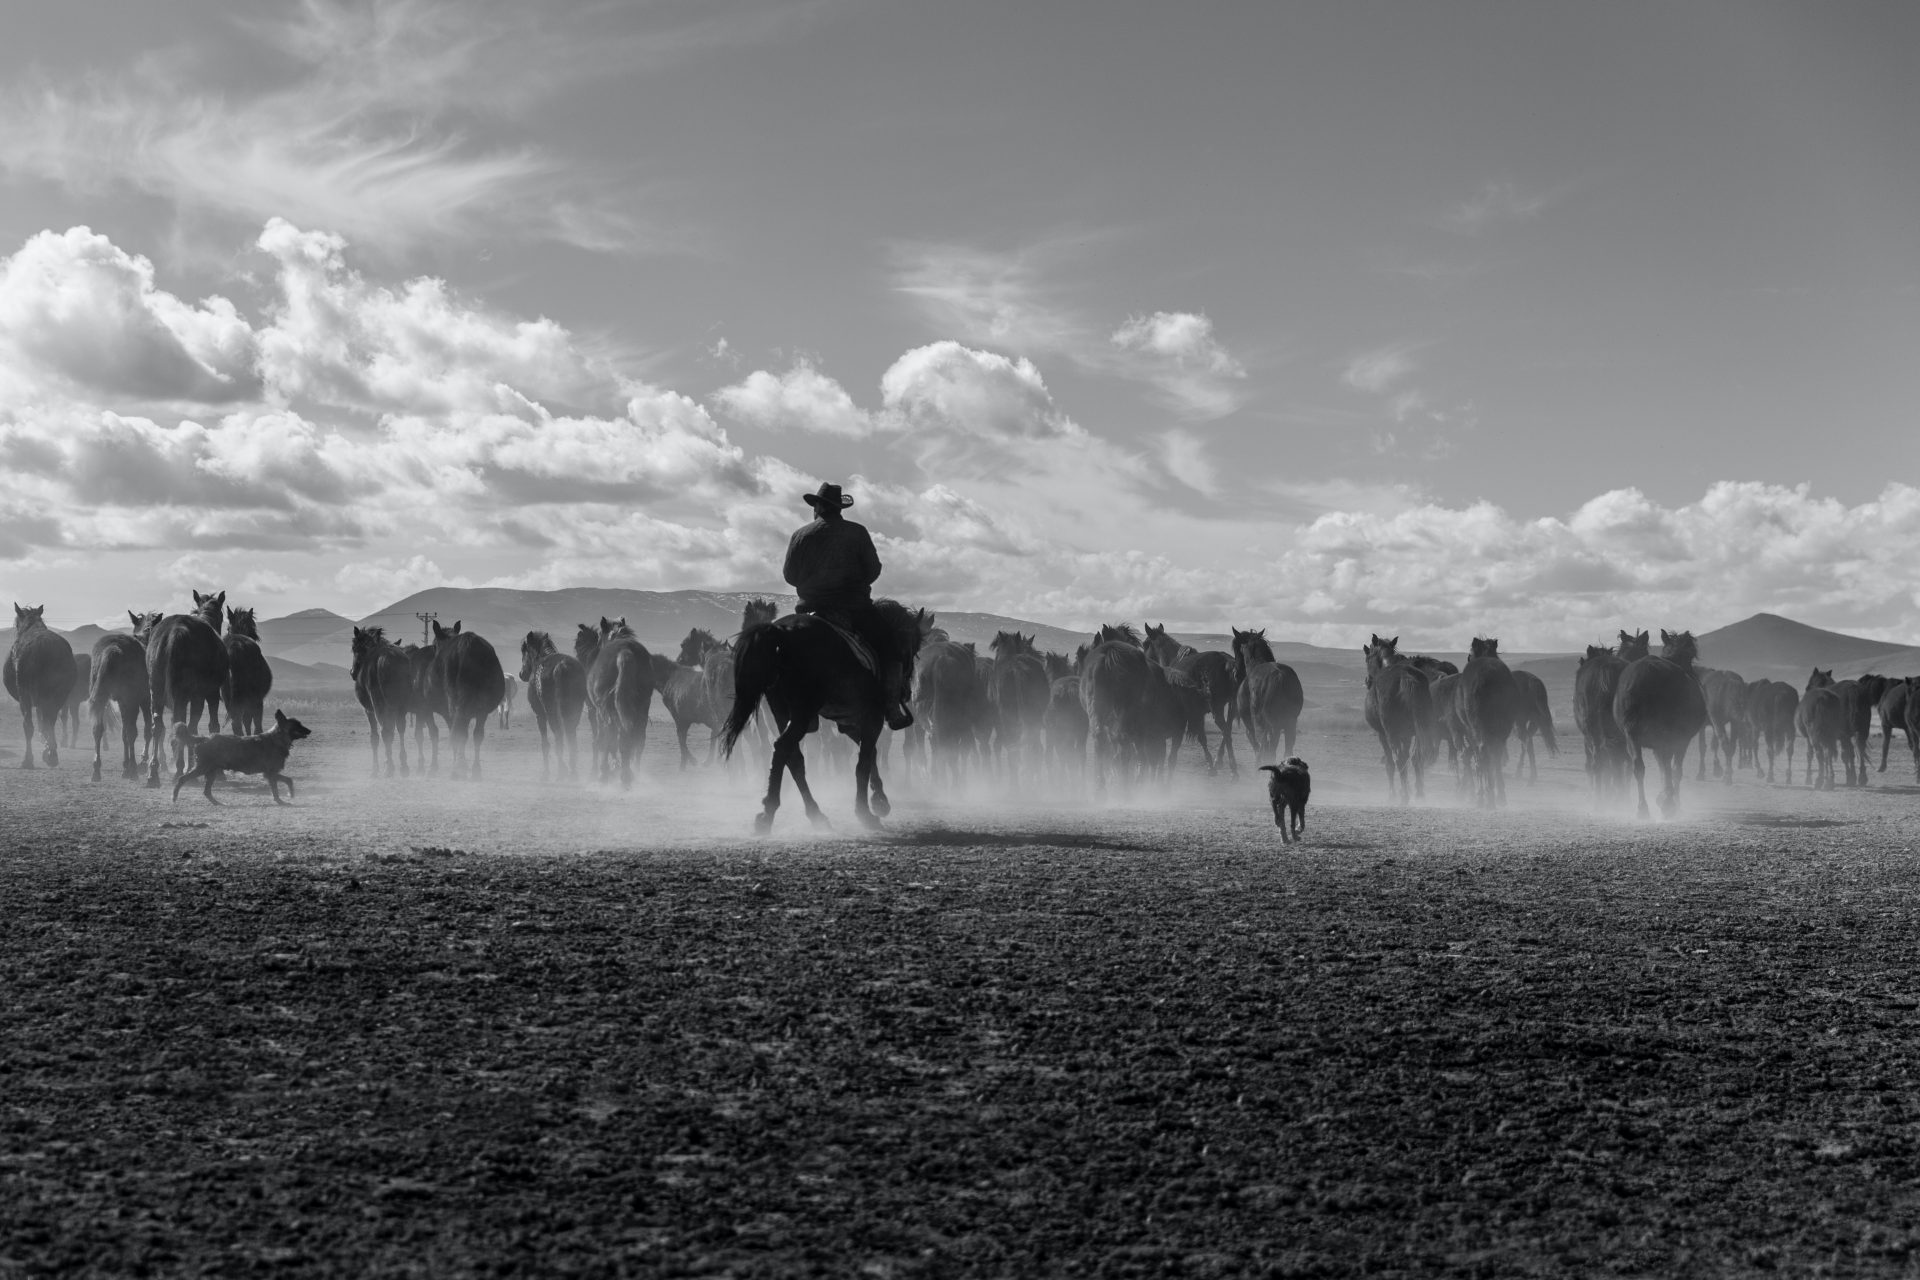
point(220, 596)
point(279, 717)
point(134, 618)
point(456, 626)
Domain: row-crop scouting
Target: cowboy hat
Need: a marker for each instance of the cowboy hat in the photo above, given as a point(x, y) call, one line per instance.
point(829, 496)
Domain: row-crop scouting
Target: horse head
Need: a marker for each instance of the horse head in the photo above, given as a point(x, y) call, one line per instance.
point(144, 623)
point(1080, 658)
point(28, 619)
point(208, 607)
point(758, 612)
point(536, 646)
point(1058, 667)
point(614, 628)
point(240, 622)
point(1118, 633)
point(442, 634)
point(1635, 646)
point(1484, 648)
point(1595, 652)
point(1007, 644)
point(366, 641)
point(1678, 647)
point(586, 643)
point(1820, 679)
point(693, 650)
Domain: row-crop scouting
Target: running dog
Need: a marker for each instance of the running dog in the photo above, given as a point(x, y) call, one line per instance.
point(256, 753)
point(1288, 786)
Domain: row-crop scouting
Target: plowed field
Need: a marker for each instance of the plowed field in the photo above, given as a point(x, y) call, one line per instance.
point(420, 1026)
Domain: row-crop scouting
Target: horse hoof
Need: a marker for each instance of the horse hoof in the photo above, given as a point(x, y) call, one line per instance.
point(819, 821)
point(96, 773)
point(153, 784)
point(872, 822)
point(881, 805)
point(763, 824)
point(26, 762)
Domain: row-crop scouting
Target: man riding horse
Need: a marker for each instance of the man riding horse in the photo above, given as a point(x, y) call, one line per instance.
point(832, 565)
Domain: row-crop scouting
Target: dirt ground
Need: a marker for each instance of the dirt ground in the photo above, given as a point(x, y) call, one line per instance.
point(428, 1027)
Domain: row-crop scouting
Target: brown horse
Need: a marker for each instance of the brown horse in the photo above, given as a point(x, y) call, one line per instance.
point(1113, 691)
point(1771, 711)
point(1660, 708)
point(465, 684)
point(1213, 671)
point(1268, 698)
point(1018, 689)
point(683, 692)
point(945, 692)
point(383, 686)
point(187, 670)
point(76, 699)
point(1399, 710)
point(249, 678)
point(620, 689)
point(1821, 718)
point(39, 673)
point(556, 694)
point(1893, 716)
point(1726, 693)
point(1488, 708)
point(1536, 717)
point(119, 680)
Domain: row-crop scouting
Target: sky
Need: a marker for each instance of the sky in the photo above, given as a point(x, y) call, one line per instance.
point(1521, 319)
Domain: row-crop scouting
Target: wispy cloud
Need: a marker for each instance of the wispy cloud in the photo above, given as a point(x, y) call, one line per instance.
point(1013, 300)
point(1496, 203)
point(1381, 369)
point(378, 127)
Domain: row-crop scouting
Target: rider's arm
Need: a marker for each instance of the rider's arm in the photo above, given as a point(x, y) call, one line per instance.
point(790, 571)
point(869, 560)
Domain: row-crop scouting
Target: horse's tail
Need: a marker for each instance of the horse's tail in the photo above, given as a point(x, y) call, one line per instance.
point(753, 672)
point(1544, 719)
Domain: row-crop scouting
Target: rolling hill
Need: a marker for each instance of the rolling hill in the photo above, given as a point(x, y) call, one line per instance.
point(1769, 640)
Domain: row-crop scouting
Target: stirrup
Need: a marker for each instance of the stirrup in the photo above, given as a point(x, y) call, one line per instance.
point(899, 717)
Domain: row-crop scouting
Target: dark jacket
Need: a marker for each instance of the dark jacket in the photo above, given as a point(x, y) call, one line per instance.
point(831, 564)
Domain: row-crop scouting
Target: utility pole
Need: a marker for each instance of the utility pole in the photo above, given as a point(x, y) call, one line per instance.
point(426, 626)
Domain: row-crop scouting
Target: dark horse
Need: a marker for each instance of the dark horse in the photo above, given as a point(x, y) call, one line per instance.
point(717, 662)
point(1594, 684)
point(39, 673)
point(1659, 707)
point(1267, 697)
point(1400, 713)
point(1770, 714)
point(77, 698)
point(1488, 707)
point(383, 686)
point(120, 677)
point(556, 694)
point(620, 689)
point(945, 691)
point(249, 678)
point(1893, 716)
point(807, 672)
point(683, 692)
point(1726, 693)
point(425, 728)
point(465, 684)
point(1113, 689)
point(1536, 717)
point(1018, 689)
point(1822, 718)
point(1214, 672)
point(186, 669)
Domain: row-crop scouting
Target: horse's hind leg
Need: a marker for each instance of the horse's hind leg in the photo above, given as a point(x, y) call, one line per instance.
point(865, 772)
point(479, 741)
point(1640, 778)
point(26, 723)
point(788, 743)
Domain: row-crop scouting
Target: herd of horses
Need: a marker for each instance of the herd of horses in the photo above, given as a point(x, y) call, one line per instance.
point(1116, 712)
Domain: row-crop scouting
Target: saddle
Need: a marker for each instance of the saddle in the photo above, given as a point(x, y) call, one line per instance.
point(862, 651)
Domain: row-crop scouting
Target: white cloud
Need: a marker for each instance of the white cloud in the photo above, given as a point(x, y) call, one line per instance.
point(1495, 203)
point(801, 399)
point(1378, 371)
point(1187, 461)
point(1178, 353)
point(76, 306)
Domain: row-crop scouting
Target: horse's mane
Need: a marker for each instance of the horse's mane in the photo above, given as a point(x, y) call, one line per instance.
point(907, 626)
point(1679, 648)
point(1122, 632)
point(1433, 666)
point(240, 622)
point(1487, 647)
point(1251, 648)
point(586, 642)
point(541, 643)
point(758, 610)
point(1007, 644)
point(1057, 664)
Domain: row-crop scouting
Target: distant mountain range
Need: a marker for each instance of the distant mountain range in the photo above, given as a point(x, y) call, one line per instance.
point(312, 649)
